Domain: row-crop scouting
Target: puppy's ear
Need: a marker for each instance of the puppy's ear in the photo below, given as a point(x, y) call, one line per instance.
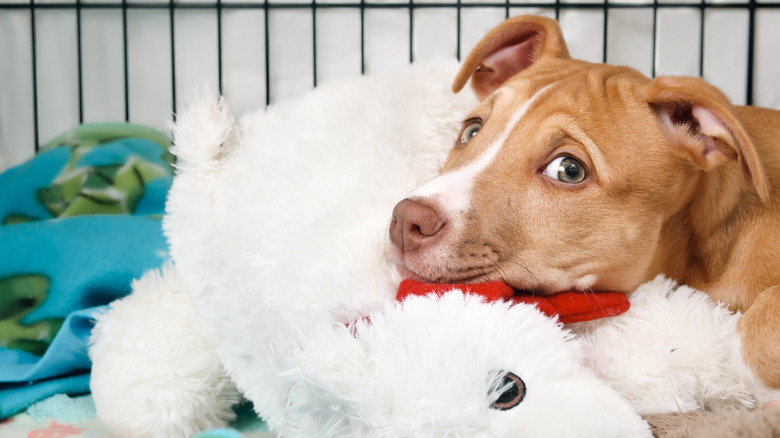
point(508, 49)
point(698, 120)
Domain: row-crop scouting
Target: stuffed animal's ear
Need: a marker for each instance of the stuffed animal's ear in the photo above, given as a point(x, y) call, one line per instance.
point(508, 49)
point(698, 120)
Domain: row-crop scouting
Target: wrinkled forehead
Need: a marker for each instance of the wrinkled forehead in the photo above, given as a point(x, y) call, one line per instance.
point(533, 114)
point(584, 102)
point(584, 91)
point(543, 111)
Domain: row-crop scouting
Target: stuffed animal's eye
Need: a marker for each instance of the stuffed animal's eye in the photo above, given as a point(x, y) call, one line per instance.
point(508, 390)
point(470, 129)
point(566, 169)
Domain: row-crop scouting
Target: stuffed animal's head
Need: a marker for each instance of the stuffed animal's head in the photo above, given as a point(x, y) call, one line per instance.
point(450, 366)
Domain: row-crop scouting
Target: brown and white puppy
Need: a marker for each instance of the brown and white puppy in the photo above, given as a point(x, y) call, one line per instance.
point(574, 175)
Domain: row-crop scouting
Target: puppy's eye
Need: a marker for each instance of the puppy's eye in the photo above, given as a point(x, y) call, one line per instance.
point(470, 129)
point(566, 169)
point(507, 391)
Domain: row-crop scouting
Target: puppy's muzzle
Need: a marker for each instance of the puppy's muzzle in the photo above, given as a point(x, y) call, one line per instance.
point(415, 226)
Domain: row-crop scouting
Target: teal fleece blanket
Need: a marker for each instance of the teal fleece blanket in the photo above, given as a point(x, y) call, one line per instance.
point(78, 222)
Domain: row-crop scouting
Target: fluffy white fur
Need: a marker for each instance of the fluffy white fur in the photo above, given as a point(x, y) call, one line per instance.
point(273, 219)
point(276, 223)
point(393, 376)
point(155, 374)
point(670, 352)
point(426, 368)
point(281, 216)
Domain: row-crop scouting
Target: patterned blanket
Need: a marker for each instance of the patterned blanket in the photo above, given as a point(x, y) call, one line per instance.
point(78, 223)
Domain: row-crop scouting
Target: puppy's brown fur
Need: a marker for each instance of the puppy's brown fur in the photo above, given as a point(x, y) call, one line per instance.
point(678, 182)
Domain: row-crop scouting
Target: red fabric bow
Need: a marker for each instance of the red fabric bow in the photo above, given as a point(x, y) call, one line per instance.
point(568, 306)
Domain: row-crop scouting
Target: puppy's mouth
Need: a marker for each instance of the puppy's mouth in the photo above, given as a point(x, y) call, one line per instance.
point(531, 285)
point(464, 275)
point(408, 274)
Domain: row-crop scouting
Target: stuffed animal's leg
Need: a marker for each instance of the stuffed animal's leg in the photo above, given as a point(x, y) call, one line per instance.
point(756, 350)
point(154, 374)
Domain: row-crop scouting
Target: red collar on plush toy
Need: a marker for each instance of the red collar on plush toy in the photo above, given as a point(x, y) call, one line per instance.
point(568, 306)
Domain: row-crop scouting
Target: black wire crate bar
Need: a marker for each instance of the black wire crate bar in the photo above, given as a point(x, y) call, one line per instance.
point(139, 61)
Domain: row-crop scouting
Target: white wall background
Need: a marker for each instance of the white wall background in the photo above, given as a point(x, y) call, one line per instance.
point(150, 70)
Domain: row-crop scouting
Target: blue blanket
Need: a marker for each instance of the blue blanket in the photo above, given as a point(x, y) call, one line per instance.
point(78, 223)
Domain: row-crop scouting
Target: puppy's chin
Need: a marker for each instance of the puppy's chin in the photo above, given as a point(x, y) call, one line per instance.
point(405, 273)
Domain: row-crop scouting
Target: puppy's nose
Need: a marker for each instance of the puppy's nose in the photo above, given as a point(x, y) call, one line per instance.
point(413, 225)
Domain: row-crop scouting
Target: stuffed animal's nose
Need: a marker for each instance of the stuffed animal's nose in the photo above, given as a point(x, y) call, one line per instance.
point(414, 225)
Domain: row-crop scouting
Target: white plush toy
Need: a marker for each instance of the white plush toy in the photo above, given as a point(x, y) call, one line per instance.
point(449, 366)
point(276, 225)
point(272, 220)
point(419, 368)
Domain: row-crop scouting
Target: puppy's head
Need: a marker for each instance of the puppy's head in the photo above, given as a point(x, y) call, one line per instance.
point(568, 174)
